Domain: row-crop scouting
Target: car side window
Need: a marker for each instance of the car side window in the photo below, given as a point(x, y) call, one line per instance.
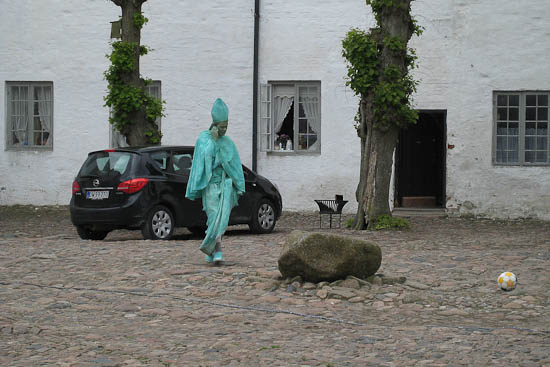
point(161, 159)
point(181, 163)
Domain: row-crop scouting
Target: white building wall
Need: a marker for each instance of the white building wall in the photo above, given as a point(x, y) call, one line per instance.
point(493, 48)
point(302, 40)
point(204, 50)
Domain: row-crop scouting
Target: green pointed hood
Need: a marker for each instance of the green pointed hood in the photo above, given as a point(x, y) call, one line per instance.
point(220, 112)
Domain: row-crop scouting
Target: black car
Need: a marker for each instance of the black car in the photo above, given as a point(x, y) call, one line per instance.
point(144, 188)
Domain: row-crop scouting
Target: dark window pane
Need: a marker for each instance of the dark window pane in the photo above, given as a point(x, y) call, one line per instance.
point(513, 128)
point(513, 114)
point(513, 143)
point(542, 128)
point(531, 128)
point(513, 157)
point(303, 126)
point(541, 143)
point(302, 142)
point(543, 100)
point(541, 156)
point(514, 100)
point(502, 114)
point(37, 124)
point(530, 157)
point(531, 100)
point(502, 128)
point(502, 100)
point(530, 143)
point(542, 114)
point(500, 156)
point(501, 143)
point(531, 113)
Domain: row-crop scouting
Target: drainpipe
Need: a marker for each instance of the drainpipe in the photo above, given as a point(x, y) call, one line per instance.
point(255, 87)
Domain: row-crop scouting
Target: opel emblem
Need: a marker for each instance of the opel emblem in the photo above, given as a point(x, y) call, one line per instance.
point(95, 182)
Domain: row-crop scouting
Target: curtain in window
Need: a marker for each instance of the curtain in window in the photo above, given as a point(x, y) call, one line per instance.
point(44, 97)
point(20, 115)
point(311, 109)
point(282, 106)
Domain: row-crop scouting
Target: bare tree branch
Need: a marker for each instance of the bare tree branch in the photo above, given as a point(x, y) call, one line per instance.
point(118, 2)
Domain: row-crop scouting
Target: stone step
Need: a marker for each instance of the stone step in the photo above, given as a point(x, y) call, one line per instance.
point(415, 212)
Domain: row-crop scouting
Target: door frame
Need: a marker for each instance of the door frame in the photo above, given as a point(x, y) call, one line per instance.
point(397, 198)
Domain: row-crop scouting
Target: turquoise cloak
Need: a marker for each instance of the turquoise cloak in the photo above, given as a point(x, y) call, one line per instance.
point(216, 177)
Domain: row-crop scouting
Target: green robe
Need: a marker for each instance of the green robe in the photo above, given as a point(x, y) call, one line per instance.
point(216, 177)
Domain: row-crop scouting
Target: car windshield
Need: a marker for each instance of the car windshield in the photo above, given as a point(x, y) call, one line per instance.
point(106, 163)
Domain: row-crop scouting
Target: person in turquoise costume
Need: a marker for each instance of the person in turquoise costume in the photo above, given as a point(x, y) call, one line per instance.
point(216, 177)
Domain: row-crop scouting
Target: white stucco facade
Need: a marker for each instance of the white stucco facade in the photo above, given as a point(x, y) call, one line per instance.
point(204, 50)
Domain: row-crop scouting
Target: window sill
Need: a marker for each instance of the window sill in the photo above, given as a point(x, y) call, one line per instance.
point(30, 148)
point(293, 152)
point(521, 164)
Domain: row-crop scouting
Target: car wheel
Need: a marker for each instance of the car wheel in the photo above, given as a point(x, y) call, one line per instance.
point(159, 224)
point(87, 234)
point(263, 218)
point(197, 230)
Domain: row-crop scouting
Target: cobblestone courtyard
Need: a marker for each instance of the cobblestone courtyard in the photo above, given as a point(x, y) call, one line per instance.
point(129, 302)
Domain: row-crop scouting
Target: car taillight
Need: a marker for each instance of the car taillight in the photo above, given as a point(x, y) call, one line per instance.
point(76, 187)
point(132, 186)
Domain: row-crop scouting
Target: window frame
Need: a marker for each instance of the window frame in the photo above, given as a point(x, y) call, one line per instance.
point(270, 86)
point(522, 123)
point(30, 130)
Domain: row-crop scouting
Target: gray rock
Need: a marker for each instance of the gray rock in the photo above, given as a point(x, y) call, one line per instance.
point(416, 285)
point(350, 283)
point(341, 293)
point(320, 257)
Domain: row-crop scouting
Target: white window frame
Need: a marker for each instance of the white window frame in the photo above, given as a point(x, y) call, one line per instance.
point(510, 123)
point(30, 116)
point(116, 139)
point(267, 133)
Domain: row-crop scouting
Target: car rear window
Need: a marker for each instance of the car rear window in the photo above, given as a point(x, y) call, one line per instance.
point(107, 163)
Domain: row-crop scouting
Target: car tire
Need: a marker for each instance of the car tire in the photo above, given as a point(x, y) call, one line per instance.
point(159, 224)
point(197, 230)
point(263, 217)
point(87, 234)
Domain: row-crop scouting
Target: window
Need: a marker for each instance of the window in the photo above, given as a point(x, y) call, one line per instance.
point(161, 159)
point(119, 140)
point(181, 163)
point(29, 119)
point(290, 117)
point(521, 134)
point(106, 163)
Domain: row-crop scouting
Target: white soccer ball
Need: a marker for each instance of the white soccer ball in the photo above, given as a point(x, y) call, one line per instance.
point(507, 281)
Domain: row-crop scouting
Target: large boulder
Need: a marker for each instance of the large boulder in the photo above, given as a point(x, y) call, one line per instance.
point(318, 257)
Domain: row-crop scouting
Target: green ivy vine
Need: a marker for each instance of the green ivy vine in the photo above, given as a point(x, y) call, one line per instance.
point(124, 99)
point(391, 87)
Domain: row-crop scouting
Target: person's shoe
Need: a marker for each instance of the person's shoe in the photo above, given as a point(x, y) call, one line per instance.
point(218, 257)
point(209, 259)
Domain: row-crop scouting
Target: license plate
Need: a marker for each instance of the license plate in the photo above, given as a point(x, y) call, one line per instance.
point(97, 195)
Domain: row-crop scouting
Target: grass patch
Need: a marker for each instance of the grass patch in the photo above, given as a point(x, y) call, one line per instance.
point(388, 222)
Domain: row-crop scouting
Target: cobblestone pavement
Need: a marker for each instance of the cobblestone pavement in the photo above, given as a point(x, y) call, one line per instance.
point(129, 302)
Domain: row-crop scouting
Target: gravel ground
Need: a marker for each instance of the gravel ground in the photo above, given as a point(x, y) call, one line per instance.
point(129, 302)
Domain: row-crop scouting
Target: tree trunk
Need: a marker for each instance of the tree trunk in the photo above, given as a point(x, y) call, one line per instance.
point(378, 146)
point(135, 132)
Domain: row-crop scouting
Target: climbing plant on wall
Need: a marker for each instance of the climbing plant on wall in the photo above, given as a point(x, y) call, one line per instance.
point(133, 112)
